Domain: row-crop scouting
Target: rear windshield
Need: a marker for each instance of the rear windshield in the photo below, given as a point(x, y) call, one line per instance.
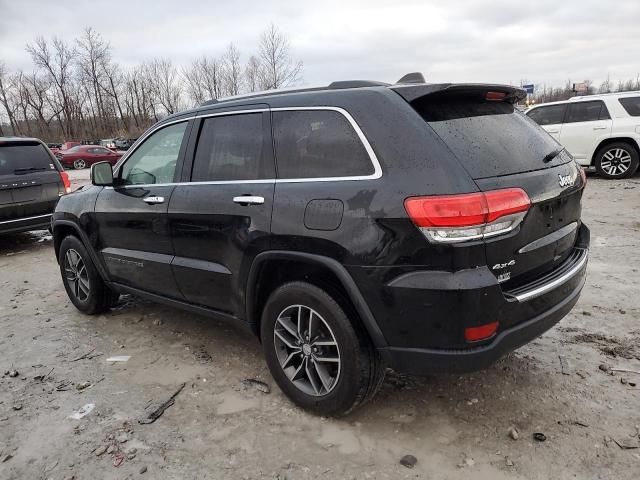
point(22, 159)
point(489, 138)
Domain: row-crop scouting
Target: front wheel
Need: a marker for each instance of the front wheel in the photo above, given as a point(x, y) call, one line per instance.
point(616, 160)
point(83, 283)
point(322, 360)
point(79, 164)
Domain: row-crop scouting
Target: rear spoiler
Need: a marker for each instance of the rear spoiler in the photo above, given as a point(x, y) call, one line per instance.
point(412, 92)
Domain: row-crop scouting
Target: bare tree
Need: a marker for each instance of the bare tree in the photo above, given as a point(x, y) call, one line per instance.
point(278, 68)
point(232, 70)
point(58, 65)
point(77, 91)
point(204, 79)
point(5, 96)
point(165, 84)
point(252, 74)
point(605, 87)
point(93, 53)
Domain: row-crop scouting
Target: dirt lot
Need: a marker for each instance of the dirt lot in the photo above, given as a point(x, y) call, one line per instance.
point(456, 426)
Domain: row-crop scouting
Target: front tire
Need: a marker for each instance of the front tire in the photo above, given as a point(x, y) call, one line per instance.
point(616, 160)
point(322, 360)
point(83, 283)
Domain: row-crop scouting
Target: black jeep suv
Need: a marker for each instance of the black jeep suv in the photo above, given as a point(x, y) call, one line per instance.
point(427, 228)
point(31, 181)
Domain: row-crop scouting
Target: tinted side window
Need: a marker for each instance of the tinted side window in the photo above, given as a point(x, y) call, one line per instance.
point(233, 147)
point(586, 112)
point(318, 144)
point(154, 161)
point(551, 115)
point(631, 105)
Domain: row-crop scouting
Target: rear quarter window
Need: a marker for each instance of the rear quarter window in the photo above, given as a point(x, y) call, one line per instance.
point(318, 144)
point(551, 115)
point(631, 105)
point(587, 112)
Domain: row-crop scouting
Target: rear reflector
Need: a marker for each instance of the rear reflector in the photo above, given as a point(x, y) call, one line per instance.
point(469, 216)
point(66, 182)
point(475, 334)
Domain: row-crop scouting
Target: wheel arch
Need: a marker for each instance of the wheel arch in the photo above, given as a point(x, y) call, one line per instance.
point(263, 279)
point(608, 141)
point(64, 228)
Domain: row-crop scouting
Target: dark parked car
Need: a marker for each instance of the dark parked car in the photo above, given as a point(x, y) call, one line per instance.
point(428, 228)
point(31, 181)
point(83, 156)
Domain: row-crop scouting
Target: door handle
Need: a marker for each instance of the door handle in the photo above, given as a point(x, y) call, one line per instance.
point(553, 131)
point(248, 200)
point(153, 200)
point(600, 128)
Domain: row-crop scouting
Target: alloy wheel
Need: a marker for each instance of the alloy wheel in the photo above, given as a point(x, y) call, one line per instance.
point(79, 164)
point(616, 161)
point(76, 274)
point(307, 350)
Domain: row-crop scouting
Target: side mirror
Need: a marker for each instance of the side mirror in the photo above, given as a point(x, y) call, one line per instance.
point(102, 174)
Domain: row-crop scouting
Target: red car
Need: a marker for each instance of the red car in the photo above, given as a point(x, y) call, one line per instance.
point(83, 156)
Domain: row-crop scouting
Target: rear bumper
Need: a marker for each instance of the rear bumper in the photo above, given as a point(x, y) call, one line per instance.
point(37, 222)
point(422, 361)
point(423, 314)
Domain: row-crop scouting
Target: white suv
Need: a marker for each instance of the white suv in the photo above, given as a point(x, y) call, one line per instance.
point(598, 130)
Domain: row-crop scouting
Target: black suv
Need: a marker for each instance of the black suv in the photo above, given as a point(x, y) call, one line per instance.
point(427, 228)
point(31, 181)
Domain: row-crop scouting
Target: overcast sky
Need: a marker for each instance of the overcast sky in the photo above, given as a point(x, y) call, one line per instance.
point(457, 40)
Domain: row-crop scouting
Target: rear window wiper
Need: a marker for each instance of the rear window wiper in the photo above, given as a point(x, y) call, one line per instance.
point(20, 171)
point(550, 156)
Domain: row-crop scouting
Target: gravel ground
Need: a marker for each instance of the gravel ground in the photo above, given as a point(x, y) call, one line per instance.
point(457, 427)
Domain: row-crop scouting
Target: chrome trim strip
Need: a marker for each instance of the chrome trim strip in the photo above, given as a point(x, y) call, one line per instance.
point(536, 292)
point(377, 169)
point(25, 218)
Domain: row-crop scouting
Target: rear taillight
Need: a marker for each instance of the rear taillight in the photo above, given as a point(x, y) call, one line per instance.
point(469, 216)
point(64, 176)
point(583, 175)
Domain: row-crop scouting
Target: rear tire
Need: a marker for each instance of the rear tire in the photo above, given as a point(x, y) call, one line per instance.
point(616, 160)
point(84, 286)
point(343, 369)
point(79, 164)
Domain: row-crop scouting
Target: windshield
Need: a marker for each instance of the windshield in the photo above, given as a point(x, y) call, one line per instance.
point(24, 158)
point(489, 138)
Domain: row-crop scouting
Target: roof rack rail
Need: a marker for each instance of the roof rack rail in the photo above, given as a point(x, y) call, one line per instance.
point(339, 85)
point(355, 84)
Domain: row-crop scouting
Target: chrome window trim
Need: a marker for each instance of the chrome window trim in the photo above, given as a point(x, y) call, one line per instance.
point(377, 169)
point(141, 140)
